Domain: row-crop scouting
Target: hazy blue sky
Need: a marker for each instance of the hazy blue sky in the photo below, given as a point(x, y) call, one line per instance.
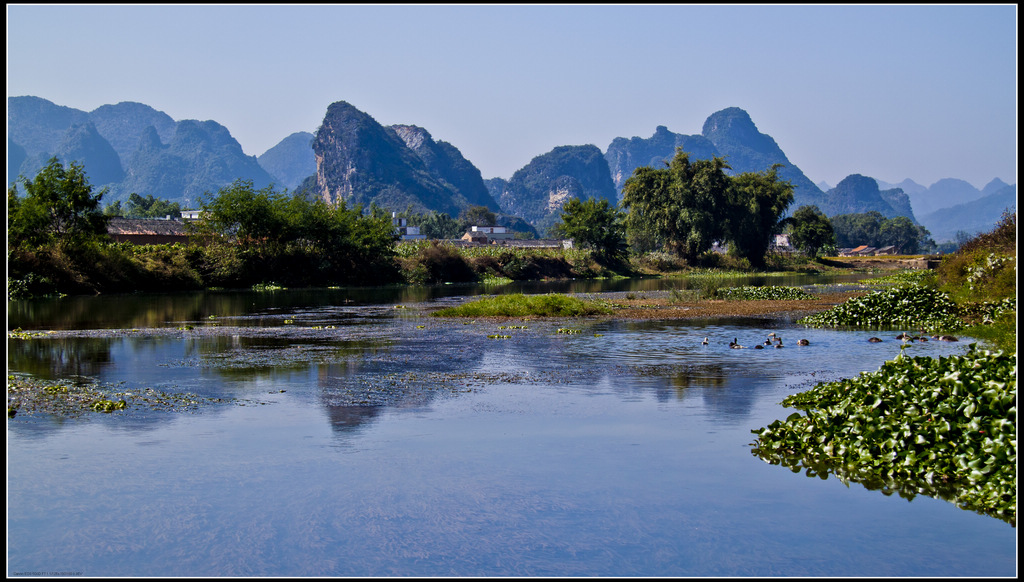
point(891, 92)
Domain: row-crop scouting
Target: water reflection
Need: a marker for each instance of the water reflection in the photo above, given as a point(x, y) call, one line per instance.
point(398, 444)
point(906, 488)
point(59, 357)
point(394, 356)
point(346, 420)
point(170, 310)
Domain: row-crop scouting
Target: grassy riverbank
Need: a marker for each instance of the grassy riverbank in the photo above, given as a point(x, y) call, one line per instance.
point(96, 267)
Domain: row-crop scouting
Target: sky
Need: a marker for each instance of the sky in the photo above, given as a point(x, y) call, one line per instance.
point(923, 92)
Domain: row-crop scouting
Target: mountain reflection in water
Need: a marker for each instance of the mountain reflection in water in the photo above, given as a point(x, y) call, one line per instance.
point(361, 437)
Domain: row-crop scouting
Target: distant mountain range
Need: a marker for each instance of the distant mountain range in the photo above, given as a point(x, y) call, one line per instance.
point(856, 194)
point(128, 147)
point(729, 133)
point(972, 217)
point(131, 147)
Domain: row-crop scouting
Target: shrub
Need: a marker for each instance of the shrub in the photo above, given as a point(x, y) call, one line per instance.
point(440, 263)
point(658, 261)
point(985, 267)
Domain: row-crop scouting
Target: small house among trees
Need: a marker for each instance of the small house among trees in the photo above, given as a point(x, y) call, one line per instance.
point(147, 231)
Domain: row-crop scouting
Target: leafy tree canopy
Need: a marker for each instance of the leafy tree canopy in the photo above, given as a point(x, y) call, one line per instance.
point(812, 230)
point(479, 216)
point(873, 229)
point(148, 207)
point(683, 207)
point(59, 207)
point(758, 202)
point(268, 225)
point(593, 224)
point(688, 206)
point(251, 217)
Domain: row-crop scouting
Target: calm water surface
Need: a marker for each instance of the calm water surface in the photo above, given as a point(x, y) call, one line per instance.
point(370, 439)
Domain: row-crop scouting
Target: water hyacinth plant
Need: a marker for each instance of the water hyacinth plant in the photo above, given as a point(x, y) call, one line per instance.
point(943, 427)
point(766, 293)
point(903, 306)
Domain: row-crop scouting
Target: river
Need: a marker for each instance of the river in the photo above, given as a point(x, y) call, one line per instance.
point(356, 435)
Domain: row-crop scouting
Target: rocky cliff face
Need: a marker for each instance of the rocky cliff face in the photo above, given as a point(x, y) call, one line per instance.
point(538, 191)
point(446, 163)
point(748, 150)
point(945, 193)
point(624, 156)
point(39, 125)
point(362, 162)
point(354, 158)
point(729, 133)
point(993, 187)
point(973, 217)
point(898, 200)
point(85, 145)
point(201, 158)
point(290, 161)
point(122, 125)
point(16, 156)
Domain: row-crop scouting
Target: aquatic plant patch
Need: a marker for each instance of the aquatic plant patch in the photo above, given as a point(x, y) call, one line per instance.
point(908, 306)
point(765, 293)
point(28, 396)
point(19, 333)
point(944, 427)
point(520, 305)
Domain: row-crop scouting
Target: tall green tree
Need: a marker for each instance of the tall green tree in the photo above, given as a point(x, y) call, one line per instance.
point(758, 201)
point(902, 233)
point(59, 207)
point(479, 216)
point(682, 207)
point(875, 230)
point(115, 209)
point(268, 235)
point(150, 207)
point(439, 225)
point(253, 218)
point(853, 230)
point(811, 230)
point(593, 224)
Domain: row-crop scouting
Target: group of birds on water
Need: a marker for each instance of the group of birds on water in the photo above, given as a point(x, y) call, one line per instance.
point(772, 341)
point(775, 341)
point(906, 337)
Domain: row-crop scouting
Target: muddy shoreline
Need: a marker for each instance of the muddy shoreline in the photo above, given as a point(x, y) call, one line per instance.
point(663, 307)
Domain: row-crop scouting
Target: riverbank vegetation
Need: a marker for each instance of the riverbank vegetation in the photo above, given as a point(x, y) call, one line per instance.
point(57, 242)
point(943, 427)
point(520, 305)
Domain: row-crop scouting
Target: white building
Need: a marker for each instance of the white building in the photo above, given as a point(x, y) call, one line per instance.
point(491, 232)
point(403, 231)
